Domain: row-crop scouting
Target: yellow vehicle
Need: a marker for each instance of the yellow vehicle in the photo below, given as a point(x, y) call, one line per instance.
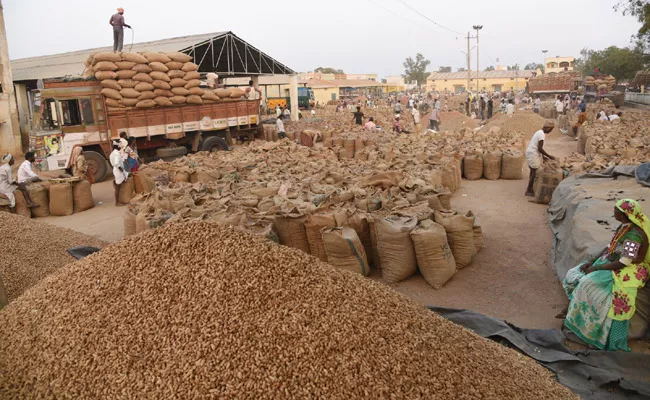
point(272, 103)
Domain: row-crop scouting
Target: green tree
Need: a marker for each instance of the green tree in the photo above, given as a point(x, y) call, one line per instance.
point(490, 68)
point(416, 70)
point(623, 63)
point(534, 66)
point(384, 81)
point(641, 10)
point(323, 70)
point(444, 69)
point(461, 69)
point(513, 67)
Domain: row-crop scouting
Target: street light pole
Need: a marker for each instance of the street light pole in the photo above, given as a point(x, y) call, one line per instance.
point(478, 70)
point(544, 63)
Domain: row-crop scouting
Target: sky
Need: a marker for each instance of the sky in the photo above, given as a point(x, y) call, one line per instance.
point(358, 36)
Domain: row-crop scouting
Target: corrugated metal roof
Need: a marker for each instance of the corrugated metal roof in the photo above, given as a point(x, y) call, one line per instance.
point(482, 75)
point(72, 63)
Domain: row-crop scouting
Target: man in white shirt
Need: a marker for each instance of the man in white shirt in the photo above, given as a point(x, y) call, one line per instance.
point(535, 153)
point(510, 108)
point(559, 107)
point(119, 173)
point(25, 172)
point(416, 115)
point(279, 124)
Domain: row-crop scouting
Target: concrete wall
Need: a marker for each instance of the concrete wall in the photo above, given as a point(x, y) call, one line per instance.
point(323, 95)
point(489, 84)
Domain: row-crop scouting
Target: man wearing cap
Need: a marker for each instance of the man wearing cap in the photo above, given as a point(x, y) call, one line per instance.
point(8, 185)
point(117, 22)
point(535, 153)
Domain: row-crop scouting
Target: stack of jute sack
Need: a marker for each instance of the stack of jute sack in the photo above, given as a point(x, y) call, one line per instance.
point(354, 214)
point(149, 79)
point(60, 197)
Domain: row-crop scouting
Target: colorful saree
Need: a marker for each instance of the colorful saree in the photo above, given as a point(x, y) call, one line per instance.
point(601, 303)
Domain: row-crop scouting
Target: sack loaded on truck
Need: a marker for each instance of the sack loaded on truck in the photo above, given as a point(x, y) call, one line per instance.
point(156, 98)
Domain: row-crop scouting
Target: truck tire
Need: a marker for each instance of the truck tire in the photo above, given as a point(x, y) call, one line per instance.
point(215, 143)
point(168, 152)
point(96, 164)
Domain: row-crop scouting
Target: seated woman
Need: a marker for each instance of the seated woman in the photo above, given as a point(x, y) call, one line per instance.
point(78, 163)
point(602, 291)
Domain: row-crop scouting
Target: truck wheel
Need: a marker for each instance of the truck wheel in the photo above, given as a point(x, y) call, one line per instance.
point(167, 152)
point(96, 164)
point(215, 144)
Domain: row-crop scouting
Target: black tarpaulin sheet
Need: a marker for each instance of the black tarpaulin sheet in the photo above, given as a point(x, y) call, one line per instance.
point(593, 374)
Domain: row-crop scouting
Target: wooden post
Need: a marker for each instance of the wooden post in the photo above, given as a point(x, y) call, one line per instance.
point(10, 140)
point(4, 300)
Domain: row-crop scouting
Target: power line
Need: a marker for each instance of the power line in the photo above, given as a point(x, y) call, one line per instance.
point(403, 17)
point(405, 4)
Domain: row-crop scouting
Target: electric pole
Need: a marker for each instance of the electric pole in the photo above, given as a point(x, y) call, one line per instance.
point(469, 68)
point(544, 61)
point(478, 69)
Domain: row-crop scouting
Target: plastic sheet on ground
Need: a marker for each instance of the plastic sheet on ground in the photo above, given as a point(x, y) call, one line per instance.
point(581, 216)
point(594, 375)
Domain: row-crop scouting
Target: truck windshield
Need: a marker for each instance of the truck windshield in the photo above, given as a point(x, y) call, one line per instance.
point(47, 119)
point(71, 113)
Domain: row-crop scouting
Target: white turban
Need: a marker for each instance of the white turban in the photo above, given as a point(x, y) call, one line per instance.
point(6, 158)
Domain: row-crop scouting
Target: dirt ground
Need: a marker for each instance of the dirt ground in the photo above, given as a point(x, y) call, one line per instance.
point(510, 279)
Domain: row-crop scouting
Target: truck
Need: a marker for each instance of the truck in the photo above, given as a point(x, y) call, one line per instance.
point(305, 100)
point(550, 85)
point(69, 113)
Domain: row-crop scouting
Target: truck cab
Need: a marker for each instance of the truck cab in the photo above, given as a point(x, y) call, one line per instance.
point(74, 113)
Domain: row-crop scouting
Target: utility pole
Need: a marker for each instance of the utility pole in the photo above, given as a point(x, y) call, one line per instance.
point(544, 61)
point(10, 140)
point(469, 68)
point(478, 69)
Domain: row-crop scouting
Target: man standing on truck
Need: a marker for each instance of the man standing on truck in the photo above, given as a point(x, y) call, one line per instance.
point(117, 22)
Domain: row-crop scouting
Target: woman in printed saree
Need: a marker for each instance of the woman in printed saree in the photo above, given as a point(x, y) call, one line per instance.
point(602, 291)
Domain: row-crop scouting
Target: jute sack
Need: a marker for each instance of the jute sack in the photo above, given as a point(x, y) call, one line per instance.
point(163, 101)
point(111, 84)
point(39, 196)
point(82, 196)
point(345, 250)
point(460, 235)
point(61, 200)
point(314, 224)
point(129, 222)
point(130, 102)
point(492, 165)
point(358, 220)
point(435, 258)
point(449, 177)
point(126, 74)
point(105, 66)
point(349, 147)
point(107, 56)
point(395, 247)
point(111, 94)
point(204, 176)
point(291, 231)
point(512, 164)
point(135, 57)
point(478, 232)
point(21, 205)
point(546, 180)
point(127, 191)
point(473, 167)
point(102, 75)
point(179, 57)
point(178, 100)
